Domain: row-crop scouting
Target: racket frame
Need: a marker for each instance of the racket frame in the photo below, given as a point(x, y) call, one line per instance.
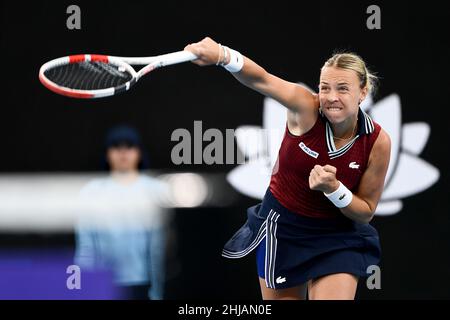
point(151, 63)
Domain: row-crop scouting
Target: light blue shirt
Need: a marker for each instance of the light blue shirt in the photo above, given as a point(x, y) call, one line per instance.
point(122, 229)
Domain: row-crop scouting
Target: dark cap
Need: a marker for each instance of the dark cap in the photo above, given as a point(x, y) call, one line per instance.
point(126, 135)
point(123, 135)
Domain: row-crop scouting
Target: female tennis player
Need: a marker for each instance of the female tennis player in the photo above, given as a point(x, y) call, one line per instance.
point(311, 232)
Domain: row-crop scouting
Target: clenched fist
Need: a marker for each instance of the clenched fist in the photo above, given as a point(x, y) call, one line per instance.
point(207, 51)
point(323, 178)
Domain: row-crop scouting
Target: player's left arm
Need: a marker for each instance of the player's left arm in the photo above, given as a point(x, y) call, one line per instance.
point(365, 199)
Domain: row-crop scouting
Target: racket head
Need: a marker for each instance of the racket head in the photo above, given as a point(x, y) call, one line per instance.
point(87, 76)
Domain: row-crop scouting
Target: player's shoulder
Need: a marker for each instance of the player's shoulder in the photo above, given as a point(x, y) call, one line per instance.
point(383, 136)
point(382, 143)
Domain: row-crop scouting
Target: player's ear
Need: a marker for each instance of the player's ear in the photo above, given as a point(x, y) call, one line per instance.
point(363, 94)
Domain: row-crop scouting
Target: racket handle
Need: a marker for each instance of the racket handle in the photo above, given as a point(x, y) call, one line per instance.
point(175, 57)
point(163, 60)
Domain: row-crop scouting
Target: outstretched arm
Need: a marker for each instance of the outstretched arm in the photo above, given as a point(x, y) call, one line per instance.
point(293, 96)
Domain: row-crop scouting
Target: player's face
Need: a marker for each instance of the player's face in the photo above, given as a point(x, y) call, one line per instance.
point(123, 158)
point(340, 93)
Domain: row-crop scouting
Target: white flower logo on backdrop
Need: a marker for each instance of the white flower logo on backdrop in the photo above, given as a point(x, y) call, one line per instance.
point(407, 174)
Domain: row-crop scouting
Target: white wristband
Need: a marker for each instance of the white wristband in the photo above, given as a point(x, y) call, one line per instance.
point(236, 61)
point(342, 197)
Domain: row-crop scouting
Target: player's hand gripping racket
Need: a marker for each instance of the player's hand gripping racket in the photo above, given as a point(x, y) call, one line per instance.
point(90, 76)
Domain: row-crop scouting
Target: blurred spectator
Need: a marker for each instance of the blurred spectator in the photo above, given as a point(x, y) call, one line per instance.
point(123, 227)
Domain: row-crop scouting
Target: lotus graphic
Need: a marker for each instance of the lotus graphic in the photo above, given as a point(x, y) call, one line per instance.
point(407, 174)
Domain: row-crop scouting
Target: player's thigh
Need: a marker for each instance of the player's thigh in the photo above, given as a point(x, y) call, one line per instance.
point(338, 286)
point(294, 293)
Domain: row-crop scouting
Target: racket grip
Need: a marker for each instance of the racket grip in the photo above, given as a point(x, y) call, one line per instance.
point(176, 57)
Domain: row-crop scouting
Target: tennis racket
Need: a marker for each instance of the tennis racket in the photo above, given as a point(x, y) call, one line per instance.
point(89, 76)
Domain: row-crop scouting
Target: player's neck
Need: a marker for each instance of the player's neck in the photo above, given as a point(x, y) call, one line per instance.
point(346, 129)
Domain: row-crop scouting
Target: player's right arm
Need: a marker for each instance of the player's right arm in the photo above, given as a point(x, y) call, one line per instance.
point(295, 97)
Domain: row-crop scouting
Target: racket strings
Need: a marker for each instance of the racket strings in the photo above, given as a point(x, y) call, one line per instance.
point(88, 75)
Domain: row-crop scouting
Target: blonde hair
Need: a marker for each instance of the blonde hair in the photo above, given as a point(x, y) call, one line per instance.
point(352, 61)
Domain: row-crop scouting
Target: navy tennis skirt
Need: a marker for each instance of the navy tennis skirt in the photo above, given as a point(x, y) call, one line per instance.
point(292, 249)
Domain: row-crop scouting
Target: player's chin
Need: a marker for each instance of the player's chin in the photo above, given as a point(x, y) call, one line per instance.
point(335, 115)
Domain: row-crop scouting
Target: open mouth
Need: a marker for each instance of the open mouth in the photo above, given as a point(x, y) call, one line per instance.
point(334, 108)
